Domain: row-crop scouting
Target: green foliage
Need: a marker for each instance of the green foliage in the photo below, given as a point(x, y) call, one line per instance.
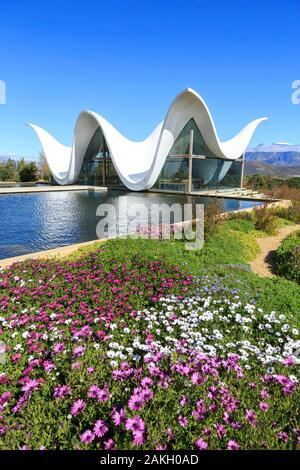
point(240, 215)
point(293, 182)
point(9, 170)
point(290, 212)
point(18, 170)
point(241, 225)
point(259, 181)
point(288, 258)
point(212, 218)
point(265, 218)
point(226, 246)
point(28, 172)
point(5, 174)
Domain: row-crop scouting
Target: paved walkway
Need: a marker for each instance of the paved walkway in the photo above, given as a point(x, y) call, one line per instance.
point(264, 263)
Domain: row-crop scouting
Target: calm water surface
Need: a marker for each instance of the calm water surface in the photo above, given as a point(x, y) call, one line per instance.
point(41, 221)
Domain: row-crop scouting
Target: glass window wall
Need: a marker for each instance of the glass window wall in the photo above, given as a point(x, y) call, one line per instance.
point(97, 167)
point(174, 175)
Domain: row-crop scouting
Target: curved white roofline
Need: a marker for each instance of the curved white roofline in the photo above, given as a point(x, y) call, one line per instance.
point(138, 164)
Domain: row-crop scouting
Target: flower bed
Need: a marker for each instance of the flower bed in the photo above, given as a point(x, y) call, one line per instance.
point(108, 353)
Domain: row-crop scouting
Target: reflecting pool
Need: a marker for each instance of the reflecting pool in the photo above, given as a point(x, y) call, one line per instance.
point(40, 221)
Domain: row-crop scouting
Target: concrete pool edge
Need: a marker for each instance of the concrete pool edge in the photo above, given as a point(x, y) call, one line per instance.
point(240, 194)
point(59, 252)
point(45, 189)
point(66, 250)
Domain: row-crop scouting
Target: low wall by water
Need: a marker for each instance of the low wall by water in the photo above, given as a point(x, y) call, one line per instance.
point(48, 254)
point(46, 188)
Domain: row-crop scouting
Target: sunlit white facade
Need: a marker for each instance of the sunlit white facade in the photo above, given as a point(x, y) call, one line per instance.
point(182, 154)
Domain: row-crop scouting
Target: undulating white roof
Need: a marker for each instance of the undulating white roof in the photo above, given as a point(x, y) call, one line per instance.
point(138, 164)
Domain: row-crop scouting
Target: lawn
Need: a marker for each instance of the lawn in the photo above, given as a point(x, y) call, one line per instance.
point(140, 344)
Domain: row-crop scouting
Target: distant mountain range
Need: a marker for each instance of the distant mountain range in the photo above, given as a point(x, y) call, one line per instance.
point(4, 158)
point(280, 158)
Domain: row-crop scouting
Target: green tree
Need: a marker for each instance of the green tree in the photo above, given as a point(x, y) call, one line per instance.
point(4, 173)
point(11, 168)
point(44, 168)
point(28, 172)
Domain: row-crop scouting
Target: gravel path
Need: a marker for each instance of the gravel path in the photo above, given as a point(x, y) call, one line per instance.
point(264, 264)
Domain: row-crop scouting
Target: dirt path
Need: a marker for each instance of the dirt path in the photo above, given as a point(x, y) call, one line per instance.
point(263, 264)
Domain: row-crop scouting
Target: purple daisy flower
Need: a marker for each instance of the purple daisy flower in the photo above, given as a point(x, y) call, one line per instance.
point(100, 428)
point(78, 407)
point(232, 445)
point(201, 444)
point(87, 437)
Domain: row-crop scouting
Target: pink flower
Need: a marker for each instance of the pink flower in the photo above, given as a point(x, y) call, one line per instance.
point(78, 407)
point(87, 437)
point(75, 365)
point(251, 417)
point(146, 394)
point(3, 378)
point(48, 366)
point(135, 402)
point(297, 432)
point(264, 406)
point(264, 394)
point(61, 391)
point(119, 417)
point(100, 428)
point(289, 361)
point(146, 382)
point(283, 436)
point(197, 379)
point(103, 394)
point(58, 348)
point(282, 379)
point(109, 444)
point(138, 438)
point(220, 429)
point(201, 444)
point(78, 351)
point(93, 391)
point(170, 434)
point(232, 445)
point(183, 400)
point(182, 420)
point(30, 385)
point(16, 357)
point(135, 424)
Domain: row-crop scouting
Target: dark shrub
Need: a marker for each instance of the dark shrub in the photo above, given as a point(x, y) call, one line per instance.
point(291, 212)
point(212, 218)
point(265, 218)
point(28, 172)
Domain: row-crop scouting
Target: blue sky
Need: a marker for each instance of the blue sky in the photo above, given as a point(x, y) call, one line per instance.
point(128, 59)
